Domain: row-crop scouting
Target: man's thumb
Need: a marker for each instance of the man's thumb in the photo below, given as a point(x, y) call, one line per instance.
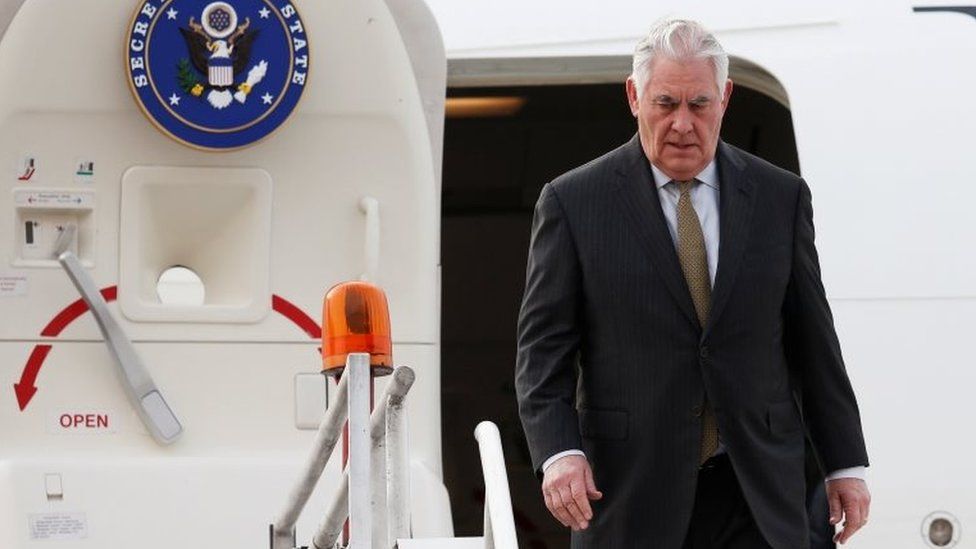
point(591, 491)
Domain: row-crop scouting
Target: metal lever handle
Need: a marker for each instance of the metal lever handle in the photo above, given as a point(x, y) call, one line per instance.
point(145, 397)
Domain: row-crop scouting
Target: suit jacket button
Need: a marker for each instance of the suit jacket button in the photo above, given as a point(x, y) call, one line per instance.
point(697, 410)
point(703, 352)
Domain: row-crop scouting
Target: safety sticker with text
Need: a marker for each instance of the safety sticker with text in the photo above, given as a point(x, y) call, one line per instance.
point(58, 526)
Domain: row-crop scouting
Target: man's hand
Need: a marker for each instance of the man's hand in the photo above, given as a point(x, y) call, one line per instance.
point(568, 488)
point(848, 497)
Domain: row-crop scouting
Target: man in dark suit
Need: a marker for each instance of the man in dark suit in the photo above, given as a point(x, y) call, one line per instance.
point(675, 342)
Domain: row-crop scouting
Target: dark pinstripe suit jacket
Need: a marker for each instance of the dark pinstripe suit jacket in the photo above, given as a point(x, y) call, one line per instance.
point(611, 358)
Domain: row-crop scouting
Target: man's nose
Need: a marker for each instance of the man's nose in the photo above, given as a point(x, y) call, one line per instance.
point(682, 120)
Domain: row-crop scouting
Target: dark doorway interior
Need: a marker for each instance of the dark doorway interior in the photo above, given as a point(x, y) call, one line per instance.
point(497, 156)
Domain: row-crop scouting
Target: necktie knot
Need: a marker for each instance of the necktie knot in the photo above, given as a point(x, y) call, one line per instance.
point(685, 186)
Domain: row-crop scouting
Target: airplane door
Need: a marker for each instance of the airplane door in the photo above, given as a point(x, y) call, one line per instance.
point(240, 155)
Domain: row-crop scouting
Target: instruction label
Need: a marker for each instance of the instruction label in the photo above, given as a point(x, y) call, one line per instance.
point(81, 422)
point(53, 199)
point(13, 285)
point(58, 526)
point(25, 168)
point(85, 170)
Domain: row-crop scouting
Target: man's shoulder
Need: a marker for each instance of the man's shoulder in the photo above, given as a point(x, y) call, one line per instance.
point(594, 176)
point(764, 171)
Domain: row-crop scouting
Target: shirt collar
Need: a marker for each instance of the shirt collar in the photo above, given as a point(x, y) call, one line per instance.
point(708, 176)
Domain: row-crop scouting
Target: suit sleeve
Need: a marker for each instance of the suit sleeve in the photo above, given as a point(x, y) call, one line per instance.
point(827, 398)
point(549, 334)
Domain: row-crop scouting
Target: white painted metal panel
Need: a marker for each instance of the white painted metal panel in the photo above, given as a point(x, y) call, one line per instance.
point(357, 110)
point(361, 129)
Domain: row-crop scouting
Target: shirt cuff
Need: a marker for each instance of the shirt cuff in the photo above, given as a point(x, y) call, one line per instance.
point(556, 457)
point(858, 472)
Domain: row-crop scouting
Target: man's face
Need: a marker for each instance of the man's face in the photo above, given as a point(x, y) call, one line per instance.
point(679, 115)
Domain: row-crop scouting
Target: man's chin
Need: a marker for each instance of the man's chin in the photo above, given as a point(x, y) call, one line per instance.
point(682, 169)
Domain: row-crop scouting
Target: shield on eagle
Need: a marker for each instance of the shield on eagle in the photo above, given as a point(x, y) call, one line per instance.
point(221, 48)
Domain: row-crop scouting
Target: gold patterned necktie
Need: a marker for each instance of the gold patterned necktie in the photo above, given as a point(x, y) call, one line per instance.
point(694, 264)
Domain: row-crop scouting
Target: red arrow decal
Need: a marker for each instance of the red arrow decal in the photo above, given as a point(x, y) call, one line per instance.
point(296, 315)
point(73, 311)
point(25, 390)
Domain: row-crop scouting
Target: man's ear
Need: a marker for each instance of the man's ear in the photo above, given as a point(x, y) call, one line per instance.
point(632, 96)
point(728, 93)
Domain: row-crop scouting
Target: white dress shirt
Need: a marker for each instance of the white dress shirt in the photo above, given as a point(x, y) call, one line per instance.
point(705, 200)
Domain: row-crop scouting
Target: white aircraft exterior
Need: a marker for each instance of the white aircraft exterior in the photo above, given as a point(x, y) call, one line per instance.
point(879, 98)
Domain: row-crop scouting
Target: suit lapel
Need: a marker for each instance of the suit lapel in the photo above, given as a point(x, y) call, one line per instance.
point(639, 200)
point(737, 198)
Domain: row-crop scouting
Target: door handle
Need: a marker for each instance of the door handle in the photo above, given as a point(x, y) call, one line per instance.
point(139, 386)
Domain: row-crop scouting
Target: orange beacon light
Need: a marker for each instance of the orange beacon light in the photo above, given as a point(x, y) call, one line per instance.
point(356, 319)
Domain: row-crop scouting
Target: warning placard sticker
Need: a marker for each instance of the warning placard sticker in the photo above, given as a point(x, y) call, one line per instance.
point(13, 285)
point(58, 526)
point(54, 199)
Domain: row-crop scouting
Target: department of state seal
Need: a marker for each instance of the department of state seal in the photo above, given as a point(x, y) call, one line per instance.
point(217, 75)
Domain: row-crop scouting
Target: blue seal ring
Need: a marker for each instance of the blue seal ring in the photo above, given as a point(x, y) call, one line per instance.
point(217, 75)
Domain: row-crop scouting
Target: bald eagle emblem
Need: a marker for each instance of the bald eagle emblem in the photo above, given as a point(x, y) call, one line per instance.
point(217, 75)
point(220, 49)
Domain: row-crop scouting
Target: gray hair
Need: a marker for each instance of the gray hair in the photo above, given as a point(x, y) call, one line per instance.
point(679, 39)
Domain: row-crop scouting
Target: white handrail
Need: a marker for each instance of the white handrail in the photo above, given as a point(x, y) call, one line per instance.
point(331, 526)
point(360, 510)
point(371, 207)
point(325, 441)
point(378, 456)
point(397, 476)
point(377, 487)
point(283, 529)
point(499, 518)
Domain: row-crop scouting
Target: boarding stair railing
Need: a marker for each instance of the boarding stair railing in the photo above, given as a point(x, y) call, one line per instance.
point(373, 493)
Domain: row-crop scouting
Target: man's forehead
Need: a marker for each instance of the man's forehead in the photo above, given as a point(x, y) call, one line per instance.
point(682, 78)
